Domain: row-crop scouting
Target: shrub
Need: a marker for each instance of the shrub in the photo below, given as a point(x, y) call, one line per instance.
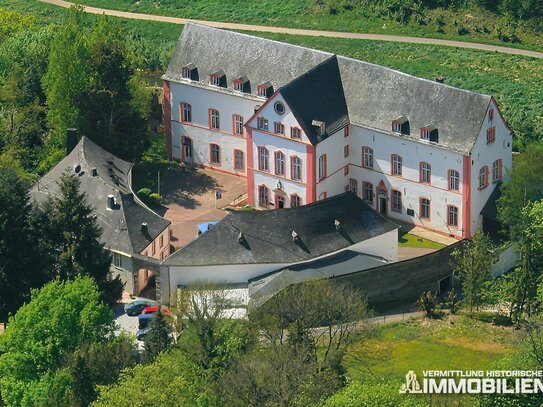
point(155, 199)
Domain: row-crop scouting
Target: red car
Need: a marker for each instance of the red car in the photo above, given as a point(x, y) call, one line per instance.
point(154, 309)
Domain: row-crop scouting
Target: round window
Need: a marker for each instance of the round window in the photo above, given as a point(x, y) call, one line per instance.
point(279, 107)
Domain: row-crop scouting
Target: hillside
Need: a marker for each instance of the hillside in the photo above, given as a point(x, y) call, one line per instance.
point(492, 21)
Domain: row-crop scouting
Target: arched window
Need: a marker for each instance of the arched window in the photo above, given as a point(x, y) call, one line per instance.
point(424, 209)
point(214, 122)
point(454, 180)
point(263, 159)
point(238, 125)
point(425, 173)
point(296, 168)
point(295, 201)
point(263, 196)
point(186, 113)
point(367, 157)
point(279, 163)
point(452, 215)
point(396, 165)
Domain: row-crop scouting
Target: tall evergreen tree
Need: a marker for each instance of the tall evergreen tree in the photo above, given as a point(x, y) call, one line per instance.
point(82, 381)
point(72, 239)
point(159, 337)
point(19, 260)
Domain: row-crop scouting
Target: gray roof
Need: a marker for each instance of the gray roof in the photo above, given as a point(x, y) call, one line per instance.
point(375, 95)
point(238, 55)
point(268, 234)
point(121, 227)
point(318, 95)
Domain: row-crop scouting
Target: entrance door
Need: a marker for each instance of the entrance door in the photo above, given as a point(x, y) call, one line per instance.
point(280, 202)
point(382, 203)
point(187, 150)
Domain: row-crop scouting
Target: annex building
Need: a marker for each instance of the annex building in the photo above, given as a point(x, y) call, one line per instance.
point(303, 125)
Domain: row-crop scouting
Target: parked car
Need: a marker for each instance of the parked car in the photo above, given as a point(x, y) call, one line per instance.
point(144, 320)
point(142, 333)
point(136, 307)
point(154, 309)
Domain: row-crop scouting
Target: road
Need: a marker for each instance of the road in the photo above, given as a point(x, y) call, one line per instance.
point(297, 31)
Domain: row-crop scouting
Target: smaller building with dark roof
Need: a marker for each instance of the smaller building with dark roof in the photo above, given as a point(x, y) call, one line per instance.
point(129, 227)
point(250, 244)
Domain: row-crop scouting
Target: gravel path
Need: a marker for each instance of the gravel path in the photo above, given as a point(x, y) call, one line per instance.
point(297, 31)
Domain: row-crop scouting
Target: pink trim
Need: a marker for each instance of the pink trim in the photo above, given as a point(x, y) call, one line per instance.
point(466, 198)
point(183, 156)
point(259, 148)
point(181, 112)
point(292, 158)
point(243, 159)
point(429, 218)
point(212, 168)
point(311, 188)
point(211, 154)
point(299, 199)
point(275, 155)
point(299, 131)
point(167, 118)
point(234, 116)
point(210, 115)
point(250, 168)
point(392, 200)
point(457, 216)
point(325, 161)
point(369, 149)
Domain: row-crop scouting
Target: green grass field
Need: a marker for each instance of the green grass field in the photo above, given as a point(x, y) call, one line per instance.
point(515, 81)
point(409, 240)
point(473, 24)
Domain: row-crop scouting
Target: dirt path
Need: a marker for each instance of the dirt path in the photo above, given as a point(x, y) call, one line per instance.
point(297, 31)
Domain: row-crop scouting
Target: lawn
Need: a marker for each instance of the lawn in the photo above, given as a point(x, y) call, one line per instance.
point(473, 24)
point(409, 240)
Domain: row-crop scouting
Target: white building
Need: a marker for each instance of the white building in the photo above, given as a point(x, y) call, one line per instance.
point(302, 125)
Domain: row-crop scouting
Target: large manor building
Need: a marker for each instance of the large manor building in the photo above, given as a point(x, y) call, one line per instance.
point(302, 125)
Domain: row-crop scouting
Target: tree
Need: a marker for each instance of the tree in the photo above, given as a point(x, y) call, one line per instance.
point(59, 318)
point(427, 302)
point(68, 75)
point(472, 265)
point(525, 185)
point(159, 338)
point(71, 239)
point(82, 383)
point(19, 268)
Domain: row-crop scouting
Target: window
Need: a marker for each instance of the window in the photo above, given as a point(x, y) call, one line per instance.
point(346, 151)
point(425, 173)
point(215, 80)
point(153, 248)
point(322, 166)
point(214, 122)
point(452, 215)
point(367, 157)
point(353, 186)
point(401, 125)
point(296, 168)
point(186, 72)
point(117, 260)
point(396, 127)
point(397, 201)
point(295, 201)
point(279, 163)
point(161, 241)
point(483, 177)
point(265, 90)
point(238, 125)
point(263, 156)
point(279, 108)
point(497, 171)
point(215, 154)
point(263, 196)
point(262, 123)
point(279, 128)
point(346, 170)
point(424, 208)
point(295, 133)
point(490, 114)
point(367, 191)
point(238, 85)
point(454, 180)
point(425, 134)
point(346, 131)
point(491, 135)
point(396, 165)
point(239, 163)
point(186, 113)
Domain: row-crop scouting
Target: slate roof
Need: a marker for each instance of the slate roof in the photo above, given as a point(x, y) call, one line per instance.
point(121, 227)
point(318, 95)
point(374, 95)
point(268, 234)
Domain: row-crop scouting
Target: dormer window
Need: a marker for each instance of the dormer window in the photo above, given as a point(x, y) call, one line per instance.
point(218, 78)
point(320, 125)
point(265, 89)
point(429, 133)
point(490, 114)
point(401, 125)
point(242, 84)
point(190, 72)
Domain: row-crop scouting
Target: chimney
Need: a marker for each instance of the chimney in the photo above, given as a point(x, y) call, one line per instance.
point(295, 236)
point(94, 172)
point(71, 140)
point(110, 202)
point(241, 238)
point(144, 227)
point(337, 224)
point(440, 79)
